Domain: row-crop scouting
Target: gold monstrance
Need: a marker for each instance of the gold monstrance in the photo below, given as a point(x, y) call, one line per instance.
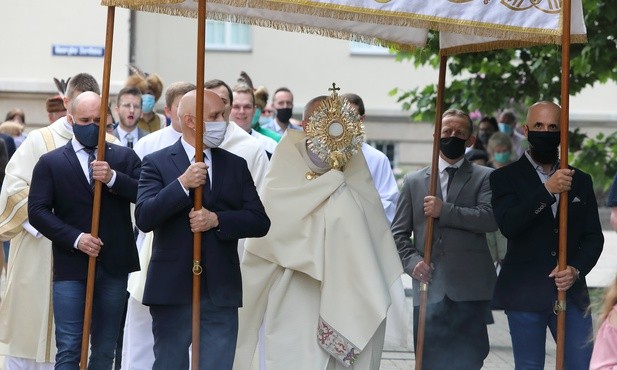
point(335, 131)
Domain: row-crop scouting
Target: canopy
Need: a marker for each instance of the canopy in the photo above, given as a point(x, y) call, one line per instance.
point(465, 25)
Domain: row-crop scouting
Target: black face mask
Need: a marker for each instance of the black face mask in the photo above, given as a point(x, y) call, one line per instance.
point(452, 147)
point(544, 145)
point(283, 114)
point(87, 135)
point(484, 138)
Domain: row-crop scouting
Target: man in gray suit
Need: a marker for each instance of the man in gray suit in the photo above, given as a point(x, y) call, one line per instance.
point(128, 109)
point(461, 275)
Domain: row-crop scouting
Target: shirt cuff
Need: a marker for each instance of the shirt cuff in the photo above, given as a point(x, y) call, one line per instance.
point(113, 179)
point(77, 241)
point(186, 191)
point(31, 230)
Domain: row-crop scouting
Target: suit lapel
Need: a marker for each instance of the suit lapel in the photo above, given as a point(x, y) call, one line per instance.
point(462, 175)
point(178, 157)
point(219, 173)
point(526, 170)
point(427, 183)
point(71, 157)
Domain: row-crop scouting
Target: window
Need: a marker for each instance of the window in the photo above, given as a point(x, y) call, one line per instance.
point(386, 147)
point(228, 36)
point(360, 48)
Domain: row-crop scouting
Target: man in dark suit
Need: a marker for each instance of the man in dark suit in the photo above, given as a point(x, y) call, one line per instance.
point(461, 276)
point(525, 201)
point(231, 210)
point(60, 206)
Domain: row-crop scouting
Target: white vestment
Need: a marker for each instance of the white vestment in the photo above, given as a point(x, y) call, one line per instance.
point(398, 335)
point(26, 315)
point(319, 280)
point(266, 142)
point(383, 178)
point(137, 352)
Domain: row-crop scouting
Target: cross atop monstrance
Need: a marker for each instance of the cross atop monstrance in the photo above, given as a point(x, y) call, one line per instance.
point(334, 89)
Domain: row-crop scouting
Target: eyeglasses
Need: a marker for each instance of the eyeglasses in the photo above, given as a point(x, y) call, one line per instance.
point(129, 106)
point(239, 107)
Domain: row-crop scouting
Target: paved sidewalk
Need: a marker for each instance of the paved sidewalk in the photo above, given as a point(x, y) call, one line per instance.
point(499, 357)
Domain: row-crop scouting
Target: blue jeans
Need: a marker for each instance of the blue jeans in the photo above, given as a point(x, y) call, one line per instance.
point(6, 246)
point(171, 326)
point(108, 304)
point(528, 333)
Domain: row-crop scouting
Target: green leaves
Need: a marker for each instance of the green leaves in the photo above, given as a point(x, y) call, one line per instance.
point(596, 156)
point(511, 78)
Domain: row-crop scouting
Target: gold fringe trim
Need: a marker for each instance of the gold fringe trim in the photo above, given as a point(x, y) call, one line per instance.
point(320, 31)
point(132, 3)
point(501, 44)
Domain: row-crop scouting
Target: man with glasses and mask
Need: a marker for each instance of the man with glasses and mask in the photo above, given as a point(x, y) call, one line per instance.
point(525, 201)
point(60, 206)
point(461, 275)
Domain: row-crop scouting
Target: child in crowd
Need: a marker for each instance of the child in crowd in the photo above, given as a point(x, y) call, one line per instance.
point(604, 355)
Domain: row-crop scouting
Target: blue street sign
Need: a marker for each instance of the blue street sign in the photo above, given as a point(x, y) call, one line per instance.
point(77, 51)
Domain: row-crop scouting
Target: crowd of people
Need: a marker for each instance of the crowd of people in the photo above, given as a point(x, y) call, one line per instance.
point(301, 257)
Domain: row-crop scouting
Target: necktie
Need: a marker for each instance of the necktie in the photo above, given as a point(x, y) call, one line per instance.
point(451, 171)
point(91, 158)
point(208, 184)
point(129, 140)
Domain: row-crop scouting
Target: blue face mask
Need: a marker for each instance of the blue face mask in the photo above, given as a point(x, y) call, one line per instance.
point(87, 135)
point(147, 103)
point(503, 157)
point(505, 128)
point(264, 120)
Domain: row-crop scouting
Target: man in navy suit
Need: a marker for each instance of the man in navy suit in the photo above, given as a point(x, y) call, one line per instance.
point(525, 203)
point(231, 210)
point(60, 206)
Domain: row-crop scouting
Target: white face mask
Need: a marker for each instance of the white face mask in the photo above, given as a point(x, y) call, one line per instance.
point(214, 133)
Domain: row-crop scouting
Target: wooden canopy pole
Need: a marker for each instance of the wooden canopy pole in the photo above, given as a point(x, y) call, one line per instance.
point(98, 186)
point(428, 241)
point(560, 305)
point(199, 157)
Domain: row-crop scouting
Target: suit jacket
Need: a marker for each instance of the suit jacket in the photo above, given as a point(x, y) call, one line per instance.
point(522, 207)
point(10, 144)
point(464, 270)
point(60, 206)
point(163, 206)
point(140, 133)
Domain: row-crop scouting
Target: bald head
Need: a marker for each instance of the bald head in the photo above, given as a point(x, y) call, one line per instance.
point(86, 108)
point(543, 116)
point(213, 111)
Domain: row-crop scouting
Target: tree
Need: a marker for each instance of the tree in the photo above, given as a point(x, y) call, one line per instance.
point(516, 78)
